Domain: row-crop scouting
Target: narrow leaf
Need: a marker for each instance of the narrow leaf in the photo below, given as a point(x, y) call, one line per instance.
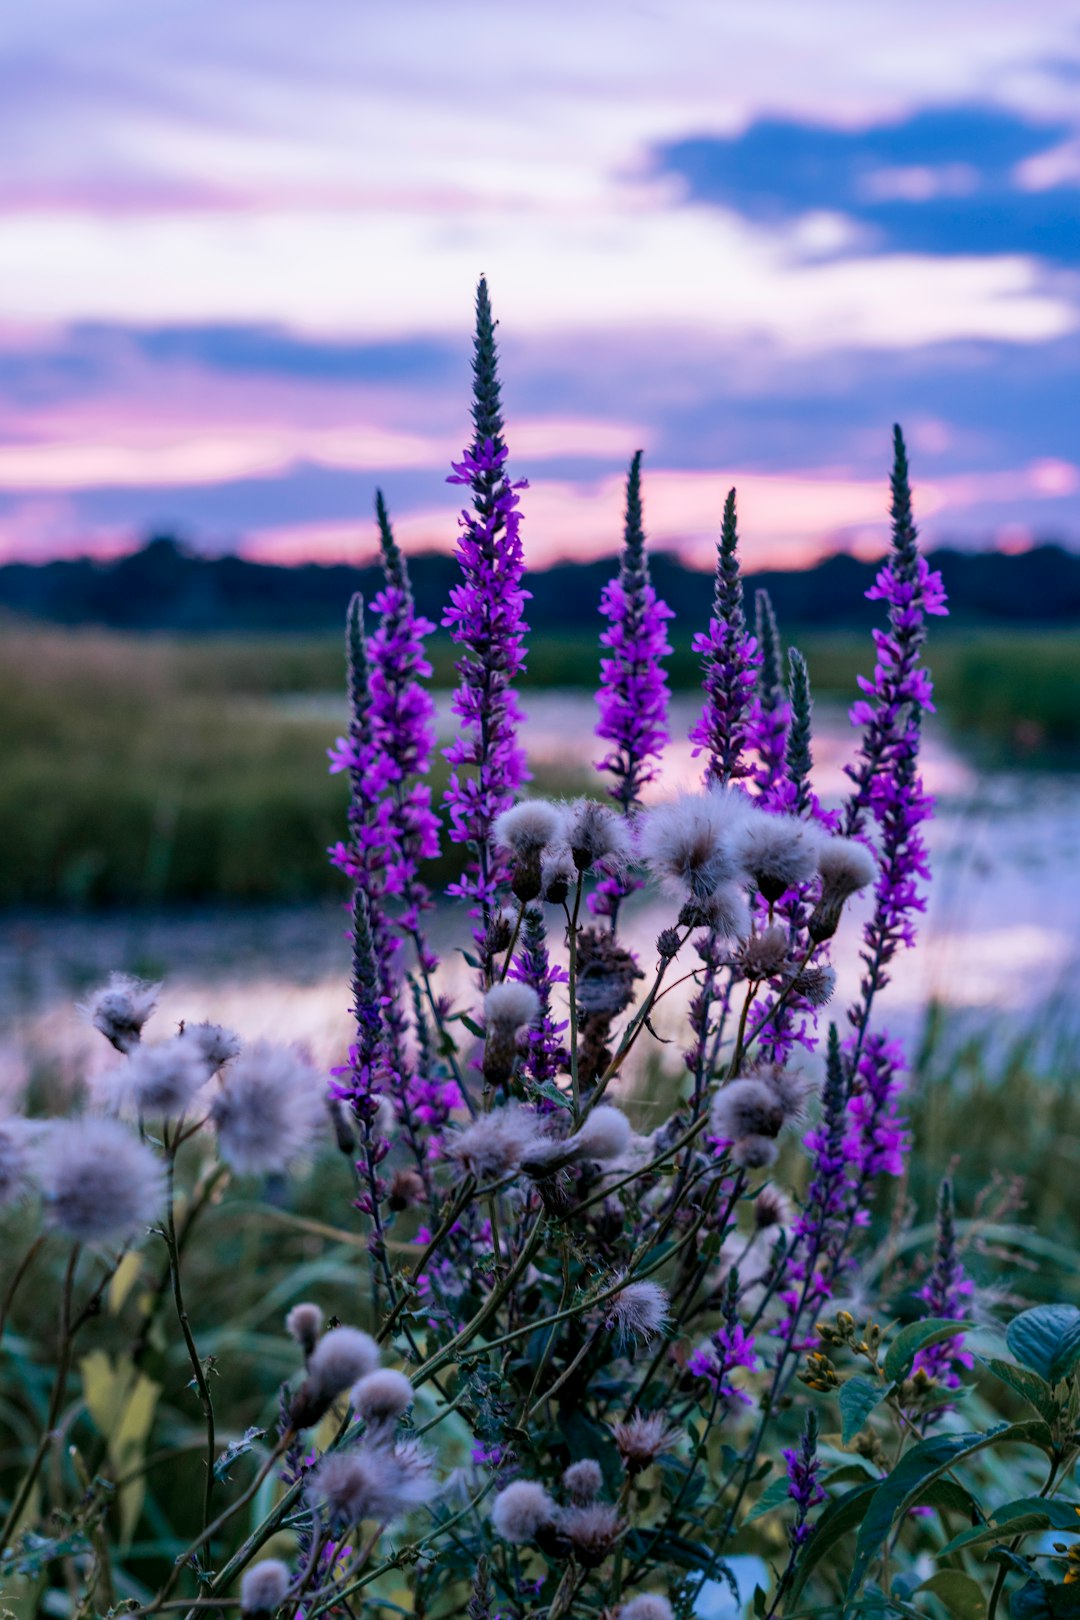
point(858, 1397)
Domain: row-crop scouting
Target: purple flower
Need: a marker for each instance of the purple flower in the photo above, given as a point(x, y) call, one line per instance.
point(732, 662)
point(728, 1349)
point(946, 1294)
point(769, 716)
point(633, 695)
point(804, 1481)
point(485, 619)
point(545, 1050)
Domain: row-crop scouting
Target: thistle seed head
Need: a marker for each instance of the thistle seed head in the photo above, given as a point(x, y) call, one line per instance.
point(16, 1161)
point(382, 1396)
point(583, 1481)
point(746, 1108)
point(647, 1606)
point(521, 1510)
point(689, 842)
point(641, 1439)
point(304, 1324)
point(99, 1182)
point(592, 1530)
point(263, 1589)
point(120, 1009)
point(162, 1081)
point(764, 955)
point(754, 1152)
point(780, 852)
point(528, 827)
point(269, 1111)
point(639, 1311)
point(217, 1045)
point(597, 836)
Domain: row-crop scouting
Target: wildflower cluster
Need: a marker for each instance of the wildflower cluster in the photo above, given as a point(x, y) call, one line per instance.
point(577, 1271)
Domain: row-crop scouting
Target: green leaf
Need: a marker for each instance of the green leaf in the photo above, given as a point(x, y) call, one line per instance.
point(1035, 1390)
point(1023, 1517)
point(1068, 1354)
point(771, 1498)
point(1031, 1601)
point(920, 1468)
point(1037, 1337)
point(236, 1448)
point(961, 1594)
point(842, 1515)
point(915, 1337)
point(858, 1397)
point(553, 1094)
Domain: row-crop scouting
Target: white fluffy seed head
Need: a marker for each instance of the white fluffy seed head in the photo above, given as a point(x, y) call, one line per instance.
point(99, 1182)
point(511, 1005)
point(596, 835)
point(690, 842)
point(304, 1324)
point(605, 1134)
point(214, 1042)
point(341, 1357)
point(726, 911)
point(528, 827)
point(746, 1108)
point(647, 1606)
point(557, 875)
point(639, 1311)
point(263, 1588)
point(497, 1143)
point(792, 1091)
point(270, 1110)
point(120, 1008)
point(163, 1081)
point(16, 1160)
point(583, 1481)
point(381, 1396)
point(780, 852)
point(351, 1486)
point(521, 1510)
point(845, 866)
point(754, 1152)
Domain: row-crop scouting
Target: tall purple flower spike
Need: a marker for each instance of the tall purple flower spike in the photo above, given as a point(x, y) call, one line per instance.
point(485, 619)
point(732, 661)
point(770, 711)
point(633, 695)
point(946, 1294)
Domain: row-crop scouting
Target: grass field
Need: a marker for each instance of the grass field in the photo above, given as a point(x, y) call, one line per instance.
point(151, 769)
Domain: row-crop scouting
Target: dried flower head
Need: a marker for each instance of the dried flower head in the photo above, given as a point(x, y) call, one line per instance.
point(162, 1081)
point(639, 1311)
point(647, 1606)
point(583, 1481)
point(792, 1091)
point(16, 1161)
point(120, 1009)
point(406, 1189)
point(350, 1486)
point(780, 852)
point(557, 876)
point(641, 1439)
point(528, 827)
point(99, 1182)
point(511, 1005)
point(216, 1044)
point(263, 1588)
point(501, 1141)
point(605, 1134)
point(690, 842)
point(845, 866)
point(816, 984)
point(592, 1530)
point(304, 1324)
point(746, 1108)
point(270, 1110)
point(765, 954)
point(597, 836)
point(725, 911)
point(606, 973)
point(381, 1396)
point(521, 1510)
point(771, 1209)
point(340, 1358)
point(754, 1152)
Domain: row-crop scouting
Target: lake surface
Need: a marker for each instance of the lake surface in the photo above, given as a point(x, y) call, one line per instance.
point(1001, 939)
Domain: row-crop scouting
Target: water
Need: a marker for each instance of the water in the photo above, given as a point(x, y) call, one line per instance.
point(1001, 938)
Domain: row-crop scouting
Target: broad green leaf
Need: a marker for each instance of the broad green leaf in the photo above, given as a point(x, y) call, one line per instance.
point(842, 1515)
point(121, 1401)
point(858, 1397)
point(1020, 1518)
point(1031, 1601)
point(123, 1280)
point(1035, 1390)
point(771, 1498)
point(1067, 1356)
point(924, 1464)
point(1036, 1337)
point(915, 1337)
point(961, 1594)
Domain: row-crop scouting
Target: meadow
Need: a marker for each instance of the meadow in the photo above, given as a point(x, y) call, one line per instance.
point(143, 770)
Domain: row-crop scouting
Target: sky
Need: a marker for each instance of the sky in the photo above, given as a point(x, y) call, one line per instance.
point(239, 247)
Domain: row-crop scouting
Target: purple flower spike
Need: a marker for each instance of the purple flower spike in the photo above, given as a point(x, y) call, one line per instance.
point(485, 618)
point(946, 1294)
point(633, 696)
point(732, 662)
point(770, 712)
point(804, 1481)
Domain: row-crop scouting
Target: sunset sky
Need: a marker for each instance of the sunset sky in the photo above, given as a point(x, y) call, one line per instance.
point(239, 246)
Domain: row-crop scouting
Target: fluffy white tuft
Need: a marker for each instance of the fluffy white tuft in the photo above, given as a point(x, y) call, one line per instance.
point(501, 1141)
point(754, 1152)
point(605, 1134)
point(16, 1160)
point(379, 1484)
point(746, 1108)
point(647, 1606)
point(639, 1311)
point(690, 842)
point(520, 1510)
point(340, 1358)
point(597, 835)
point(381, 1396)
point(845, 866)
point(511, 1005)
point(120, 1009)
point(304, 1324)
point(583, 1480)
point(162, 1081)
point(270, 1110)
point(214, 1042)
point(779, 851)
point(99, 1182)
point(263, 1588)
point(528, 827)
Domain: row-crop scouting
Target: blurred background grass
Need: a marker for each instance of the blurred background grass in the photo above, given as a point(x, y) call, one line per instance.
point(143, 769)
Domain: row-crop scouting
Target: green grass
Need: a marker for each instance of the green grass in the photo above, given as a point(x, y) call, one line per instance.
point(157, 769)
